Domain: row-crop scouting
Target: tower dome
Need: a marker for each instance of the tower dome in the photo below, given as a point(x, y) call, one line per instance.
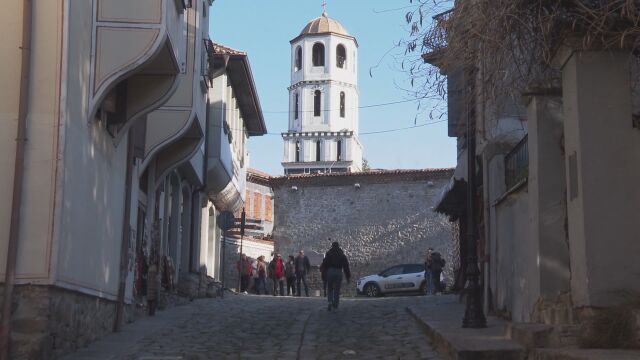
point(324, 25)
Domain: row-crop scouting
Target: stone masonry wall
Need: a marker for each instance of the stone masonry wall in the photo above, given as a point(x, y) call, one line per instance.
point(387, 220)
point(48, 321)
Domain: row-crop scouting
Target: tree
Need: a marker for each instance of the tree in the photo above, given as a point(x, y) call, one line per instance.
point(365, 165)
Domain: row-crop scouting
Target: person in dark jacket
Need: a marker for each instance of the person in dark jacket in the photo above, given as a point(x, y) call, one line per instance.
point(290, 273)
point(303, 266)
point(334, 264)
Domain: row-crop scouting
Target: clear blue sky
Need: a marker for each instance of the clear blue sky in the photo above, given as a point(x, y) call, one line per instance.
point(263, 29)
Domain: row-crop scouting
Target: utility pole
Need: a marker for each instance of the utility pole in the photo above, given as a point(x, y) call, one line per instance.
point(473, 315)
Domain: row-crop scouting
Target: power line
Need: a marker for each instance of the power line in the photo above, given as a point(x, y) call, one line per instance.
point(327, 110)
point(363, 133)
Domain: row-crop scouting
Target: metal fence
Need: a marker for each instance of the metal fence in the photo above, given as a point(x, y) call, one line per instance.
point(517, 164)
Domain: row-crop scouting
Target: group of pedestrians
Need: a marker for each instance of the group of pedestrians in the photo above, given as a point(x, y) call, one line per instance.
point(293, 272)
point(290, 274)
point(433, 266)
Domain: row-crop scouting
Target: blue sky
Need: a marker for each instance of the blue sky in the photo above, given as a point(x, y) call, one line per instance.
point(263, 29)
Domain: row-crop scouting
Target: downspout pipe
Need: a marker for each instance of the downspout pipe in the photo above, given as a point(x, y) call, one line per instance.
point(16, 204)
point(195, 194)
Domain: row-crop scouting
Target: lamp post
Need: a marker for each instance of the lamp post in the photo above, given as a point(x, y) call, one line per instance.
point(473, 315)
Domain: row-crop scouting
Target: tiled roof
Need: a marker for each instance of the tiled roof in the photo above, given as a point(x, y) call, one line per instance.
point(225, 50)
point(376, 172)
point(253, 171)
point(374, 176)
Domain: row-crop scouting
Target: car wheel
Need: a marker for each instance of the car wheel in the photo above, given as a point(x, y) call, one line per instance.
point(372, 290)
point(423, 288)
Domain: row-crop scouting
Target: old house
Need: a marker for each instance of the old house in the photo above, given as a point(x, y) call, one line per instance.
point(235, 115)
point(557, 155)
point(120, 106)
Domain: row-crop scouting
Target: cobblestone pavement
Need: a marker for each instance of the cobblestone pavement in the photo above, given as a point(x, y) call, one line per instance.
point(252, 327)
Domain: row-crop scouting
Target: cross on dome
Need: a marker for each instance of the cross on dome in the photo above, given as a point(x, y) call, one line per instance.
point(324, 9)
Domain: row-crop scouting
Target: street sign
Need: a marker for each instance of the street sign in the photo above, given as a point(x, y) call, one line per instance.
point(226, 220)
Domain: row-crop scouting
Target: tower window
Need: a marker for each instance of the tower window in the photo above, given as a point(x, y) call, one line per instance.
point(298, 63)
point(341, 56)
point(316, 102)
point(318, 54)
point(318, 150)
point(339, 157)
point(342, 106)
point(298, 151)
point(297, 105)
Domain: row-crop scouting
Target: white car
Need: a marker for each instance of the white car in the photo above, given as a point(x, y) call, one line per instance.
point(399, 278)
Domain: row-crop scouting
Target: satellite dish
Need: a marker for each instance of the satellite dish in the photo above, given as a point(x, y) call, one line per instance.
point(226, 220)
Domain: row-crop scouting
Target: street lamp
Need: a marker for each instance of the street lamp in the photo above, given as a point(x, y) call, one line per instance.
point(473, 314)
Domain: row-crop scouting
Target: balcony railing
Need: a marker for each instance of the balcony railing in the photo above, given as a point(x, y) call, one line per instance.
point(517, 164)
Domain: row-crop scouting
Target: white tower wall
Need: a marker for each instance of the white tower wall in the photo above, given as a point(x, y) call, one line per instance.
point(336, 123)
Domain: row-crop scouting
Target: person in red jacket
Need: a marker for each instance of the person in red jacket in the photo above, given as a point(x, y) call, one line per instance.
point(244, 269)
point(278, 276)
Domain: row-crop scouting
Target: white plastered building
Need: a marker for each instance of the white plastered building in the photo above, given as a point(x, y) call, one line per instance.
point(323, 101)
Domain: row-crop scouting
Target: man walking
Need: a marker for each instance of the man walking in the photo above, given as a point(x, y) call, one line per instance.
point(428, 275)
point(335, 263)
point(437, 265)
point(303, 266)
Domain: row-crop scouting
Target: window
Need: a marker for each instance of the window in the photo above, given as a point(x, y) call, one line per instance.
point(339, 157)
point(413, 269)
point(517, 164)
point(317, 96)
point(298, 62)
point(297, 105)
point(341, 56)
point(298, 151)
point(318, 150)
point(318, 54)
point(396, 270)
point(342, 109)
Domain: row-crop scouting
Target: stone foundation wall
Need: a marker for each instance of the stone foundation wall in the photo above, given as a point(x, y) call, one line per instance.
point(48, 321)
point(382, 221)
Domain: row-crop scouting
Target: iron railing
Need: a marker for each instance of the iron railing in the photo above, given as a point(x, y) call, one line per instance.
point(517, 164)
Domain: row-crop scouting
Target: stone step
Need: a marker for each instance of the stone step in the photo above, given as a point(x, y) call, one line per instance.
point(583, 354)
point(442, 325)
point(533, 336)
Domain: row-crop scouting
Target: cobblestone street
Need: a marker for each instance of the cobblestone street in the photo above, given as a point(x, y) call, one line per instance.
point(248, 327)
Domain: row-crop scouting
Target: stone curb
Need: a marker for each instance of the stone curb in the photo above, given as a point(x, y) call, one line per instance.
point(473, 347)
point(583, 354)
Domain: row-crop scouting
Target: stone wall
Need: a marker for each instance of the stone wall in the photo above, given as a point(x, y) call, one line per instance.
point(381, 219)
point(252, 248)
point(49, 321)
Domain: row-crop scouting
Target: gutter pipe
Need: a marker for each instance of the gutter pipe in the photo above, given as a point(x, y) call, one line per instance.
point(16, 204)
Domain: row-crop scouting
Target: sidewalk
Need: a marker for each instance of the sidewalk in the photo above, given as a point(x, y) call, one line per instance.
point(441, 317)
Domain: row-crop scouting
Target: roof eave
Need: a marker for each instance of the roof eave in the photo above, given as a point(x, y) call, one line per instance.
point(322, 34)
point(239, 70)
